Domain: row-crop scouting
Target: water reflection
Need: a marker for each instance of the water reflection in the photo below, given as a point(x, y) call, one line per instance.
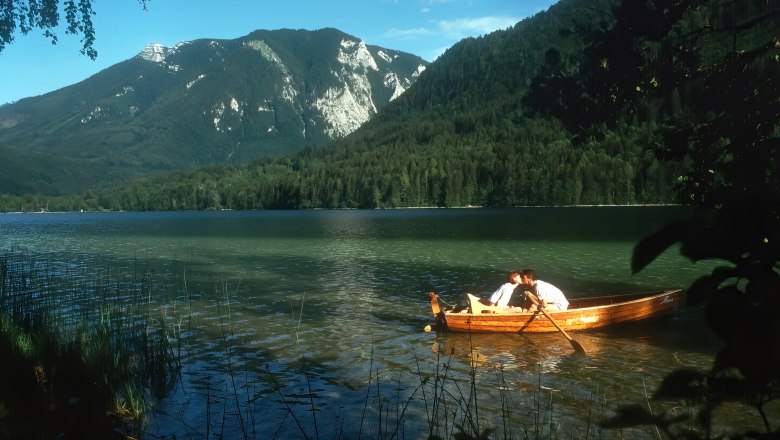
point(621, 370)
point(507, 351)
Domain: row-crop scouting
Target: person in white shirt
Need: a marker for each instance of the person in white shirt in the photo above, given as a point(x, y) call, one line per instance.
point(550, 296)
point(502, 296)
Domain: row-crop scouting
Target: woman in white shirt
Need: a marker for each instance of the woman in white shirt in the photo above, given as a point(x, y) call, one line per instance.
point(502, 296)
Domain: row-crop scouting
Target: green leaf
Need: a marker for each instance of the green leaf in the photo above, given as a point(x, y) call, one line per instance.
point(686, 384)
point(650, 247)
point(704, 287)
point(629, 415)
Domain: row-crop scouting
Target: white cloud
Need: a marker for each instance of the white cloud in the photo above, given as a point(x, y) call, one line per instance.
point(455, 29)
point(466, 27)
point(408, 34)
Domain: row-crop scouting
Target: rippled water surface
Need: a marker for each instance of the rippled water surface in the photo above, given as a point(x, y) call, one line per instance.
point(307, 324)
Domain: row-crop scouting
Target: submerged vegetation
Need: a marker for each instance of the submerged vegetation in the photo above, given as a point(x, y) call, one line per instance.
point(79, 360)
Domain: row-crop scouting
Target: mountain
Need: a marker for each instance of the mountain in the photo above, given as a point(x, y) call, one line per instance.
point(582, 104)
point(199, 103)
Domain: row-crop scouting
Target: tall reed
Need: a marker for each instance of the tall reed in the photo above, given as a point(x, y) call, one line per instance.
point(61, 321)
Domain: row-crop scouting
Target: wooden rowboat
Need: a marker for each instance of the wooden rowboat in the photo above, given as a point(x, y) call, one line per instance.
point(582, 314)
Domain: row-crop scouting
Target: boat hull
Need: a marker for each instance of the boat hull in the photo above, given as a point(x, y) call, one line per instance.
point(583, 314)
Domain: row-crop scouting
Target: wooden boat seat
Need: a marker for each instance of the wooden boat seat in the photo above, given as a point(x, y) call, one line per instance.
point(476, 307)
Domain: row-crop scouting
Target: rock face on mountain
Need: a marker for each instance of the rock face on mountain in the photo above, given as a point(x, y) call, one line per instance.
point(207, 102)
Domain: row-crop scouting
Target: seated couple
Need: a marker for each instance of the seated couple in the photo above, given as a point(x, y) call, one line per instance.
point(551, 297)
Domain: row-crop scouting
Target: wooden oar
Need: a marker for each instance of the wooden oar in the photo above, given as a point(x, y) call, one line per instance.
point(574, 344)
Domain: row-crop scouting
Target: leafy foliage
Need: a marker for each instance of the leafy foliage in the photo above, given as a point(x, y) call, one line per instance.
point(28, 15)
point(723, 113)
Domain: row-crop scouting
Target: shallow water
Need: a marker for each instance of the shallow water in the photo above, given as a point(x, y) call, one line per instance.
point(295, 324)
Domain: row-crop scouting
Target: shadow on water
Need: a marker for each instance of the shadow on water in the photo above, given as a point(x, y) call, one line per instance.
point(685, 329)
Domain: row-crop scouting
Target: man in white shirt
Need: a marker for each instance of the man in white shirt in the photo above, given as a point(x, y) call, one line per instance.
point(550, 296)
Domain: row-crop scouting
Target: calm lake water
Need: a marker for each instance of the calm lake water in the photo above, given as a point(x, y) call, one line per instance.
point(309, 324)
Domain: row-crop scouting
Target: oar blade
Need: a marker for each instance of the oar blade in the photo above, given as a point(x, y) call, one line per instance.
point(574, 344)
point(577, 346)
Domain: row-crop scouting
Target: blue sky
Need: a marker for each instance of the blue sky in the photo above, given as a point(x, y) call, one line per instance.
point(31, 65)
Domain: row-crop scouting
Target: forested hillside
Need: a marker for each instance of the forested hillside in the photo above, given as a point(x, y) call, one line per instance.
point(577, 105)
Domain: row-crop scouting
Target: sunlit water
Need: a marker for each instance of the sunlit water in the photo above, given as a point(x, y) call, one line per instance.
point(306, 324)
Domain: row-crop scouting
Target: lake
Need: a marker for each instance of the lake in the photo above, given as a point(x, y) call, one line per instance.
point(310, 324)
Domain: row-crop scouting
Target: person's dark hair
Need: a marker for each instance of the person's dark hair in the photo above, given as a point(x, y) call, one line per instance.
point(530, 273)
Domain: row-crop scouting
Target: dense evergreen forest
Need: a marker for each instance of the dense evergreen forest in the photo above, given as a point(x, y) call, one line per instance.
point(448, 170)
point(571, 106)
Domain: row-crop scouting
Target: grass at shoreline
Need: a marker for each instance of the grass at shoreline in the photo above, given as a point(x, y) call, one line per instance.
point(66, 378)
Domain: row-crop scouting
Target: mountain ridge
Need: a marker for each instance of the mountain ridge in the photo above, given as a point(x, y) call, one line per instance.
point(209, 101)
